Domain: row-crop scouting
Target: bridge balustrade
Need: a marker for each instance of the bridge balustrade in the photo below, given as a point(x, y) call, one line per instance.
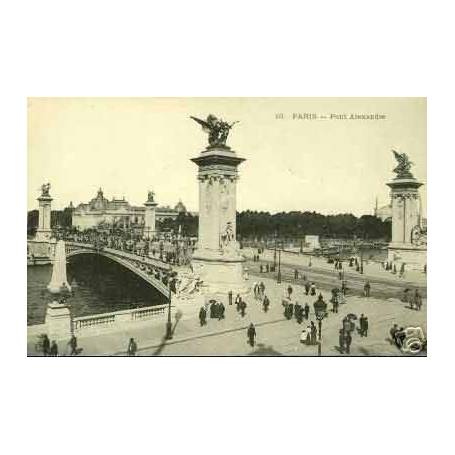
point(110, 320)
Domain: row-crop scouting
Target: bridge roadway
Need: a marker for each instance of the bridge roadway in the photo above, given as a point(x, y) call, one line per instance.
point(381, 287)
point(151, 270)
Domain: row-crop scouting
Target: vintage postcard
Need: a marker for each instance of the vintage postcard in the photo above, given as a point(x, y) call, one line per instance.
point(227, 227)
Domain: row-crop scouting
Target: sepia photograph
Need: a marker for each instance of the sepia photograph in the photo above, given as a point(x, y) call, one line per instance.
point(226, 227)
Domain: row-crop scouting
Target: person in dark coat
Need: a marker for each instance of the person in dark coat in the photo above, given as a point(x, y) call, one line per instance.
point(313, 289)
point(335, 303)
point(251, 333)
point(242, 308)
point(221, 310)
point(307, 288)
point(132, 348)
point(289, 291)
point(314, 332)
point(298, 312)
point(266, 304)
point(306, 310)
point(296, 274)
point(46, 345)
point(348, 341)
point(393, 331)
point(365, 326)
point(417, 300)
point(53, 352)
point(238, 300)
point(341, 341)
point(230, 297)
point(73, 345)
point(367, 288)
point(202, 316)
point(361, 324)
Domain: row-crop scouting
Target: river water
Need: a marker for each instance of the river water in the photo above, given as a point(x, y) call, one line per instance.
point(99, 286)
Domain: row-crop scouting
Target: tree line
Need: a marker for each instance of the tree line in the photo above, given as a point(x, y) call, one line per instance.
point(262, 225)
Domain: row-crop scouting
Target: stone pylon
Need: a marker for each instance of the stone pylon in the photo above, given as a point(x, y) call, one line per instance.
point(58, 314)
point(150, 216)
point(408, 243)
point(217, 260)
point(44, 232)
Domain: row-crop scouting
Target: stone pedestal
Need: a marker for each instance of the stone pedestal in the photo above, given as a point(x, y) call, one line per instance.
point(217, 259)
point(406, 223)
point(150, 219)
point(44, 232)
point(58, 321)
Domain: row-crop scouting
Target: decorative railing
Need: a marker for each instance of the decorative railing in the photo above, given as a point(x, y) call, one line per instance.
point(110, 320)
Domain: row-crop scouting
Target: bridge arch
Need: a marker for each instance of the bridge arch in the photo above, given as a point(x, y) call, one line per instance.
point(137, 265)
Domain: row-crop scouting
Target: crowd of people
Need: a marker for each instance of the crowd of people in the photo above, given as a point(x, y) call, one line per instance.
point(176, 251)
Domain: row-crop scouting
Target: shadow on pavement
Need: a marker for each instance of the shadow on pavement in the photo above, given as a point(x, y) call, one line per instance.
point(263, 350)
point(160, 348)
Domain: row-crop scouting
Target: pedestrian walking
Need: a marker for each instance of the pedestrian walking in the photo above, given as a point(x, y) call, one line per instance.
point(365, 326)
point(132, 348)
point(314, 331)
point(306, 310)
point(267, 268)
point(73, 345)
point(230, 297)
point(221, 310)
point(417, 300)
point(348, 341)
point(298, 311)
point(307, 287)
point(289, 291)
point(251, 333)
point(262, 288)
point(344, 287)
point(53, 352)
point(242, 308)
point(296, 274)
point(46, 345)
point(393, 331)
point(238, 300)
point(266, 304)
point(341, 341)
point(313, 289)
point(366, 289)
point(202, 316)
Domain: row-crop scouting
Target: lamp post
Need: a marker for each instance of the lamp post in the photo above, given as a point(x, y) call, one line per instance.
point(274, 254)
point(169, 321)
point(278, 280)
point(320, 310)
point(361, 260)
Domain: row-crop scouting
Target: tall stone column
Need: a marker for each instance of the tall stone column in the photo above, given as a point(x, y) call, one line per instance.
point(44, 232)
point(150, 216)
point(408, 241)
point(217, 259)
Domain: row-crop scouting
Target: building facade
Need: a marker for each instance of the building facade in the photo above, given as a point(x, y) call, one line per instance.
point(117, 213)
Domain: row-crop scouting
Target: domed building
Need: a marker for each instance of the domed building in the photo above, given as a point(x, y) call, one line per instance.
point(118, 213)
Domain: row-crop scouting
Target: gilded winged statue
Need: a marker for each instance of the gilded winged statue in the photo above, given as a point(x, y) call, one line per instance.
point(217, 129)
point(404, 165)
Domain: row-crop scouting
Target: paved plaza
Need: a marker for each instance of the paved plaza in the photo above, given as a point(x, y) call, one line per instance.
point(275, 334)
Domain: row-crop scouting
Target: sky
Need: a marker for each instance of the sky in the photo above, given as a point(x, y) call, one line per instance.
point(128, 146)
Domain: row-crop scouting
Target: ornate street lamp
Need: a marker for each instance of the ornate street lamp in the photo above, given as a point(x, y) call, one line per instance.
point(320, 310)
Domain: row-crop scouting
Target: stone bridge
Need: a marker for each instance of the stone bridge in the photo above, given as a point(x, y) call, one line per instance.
point(151, 270)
